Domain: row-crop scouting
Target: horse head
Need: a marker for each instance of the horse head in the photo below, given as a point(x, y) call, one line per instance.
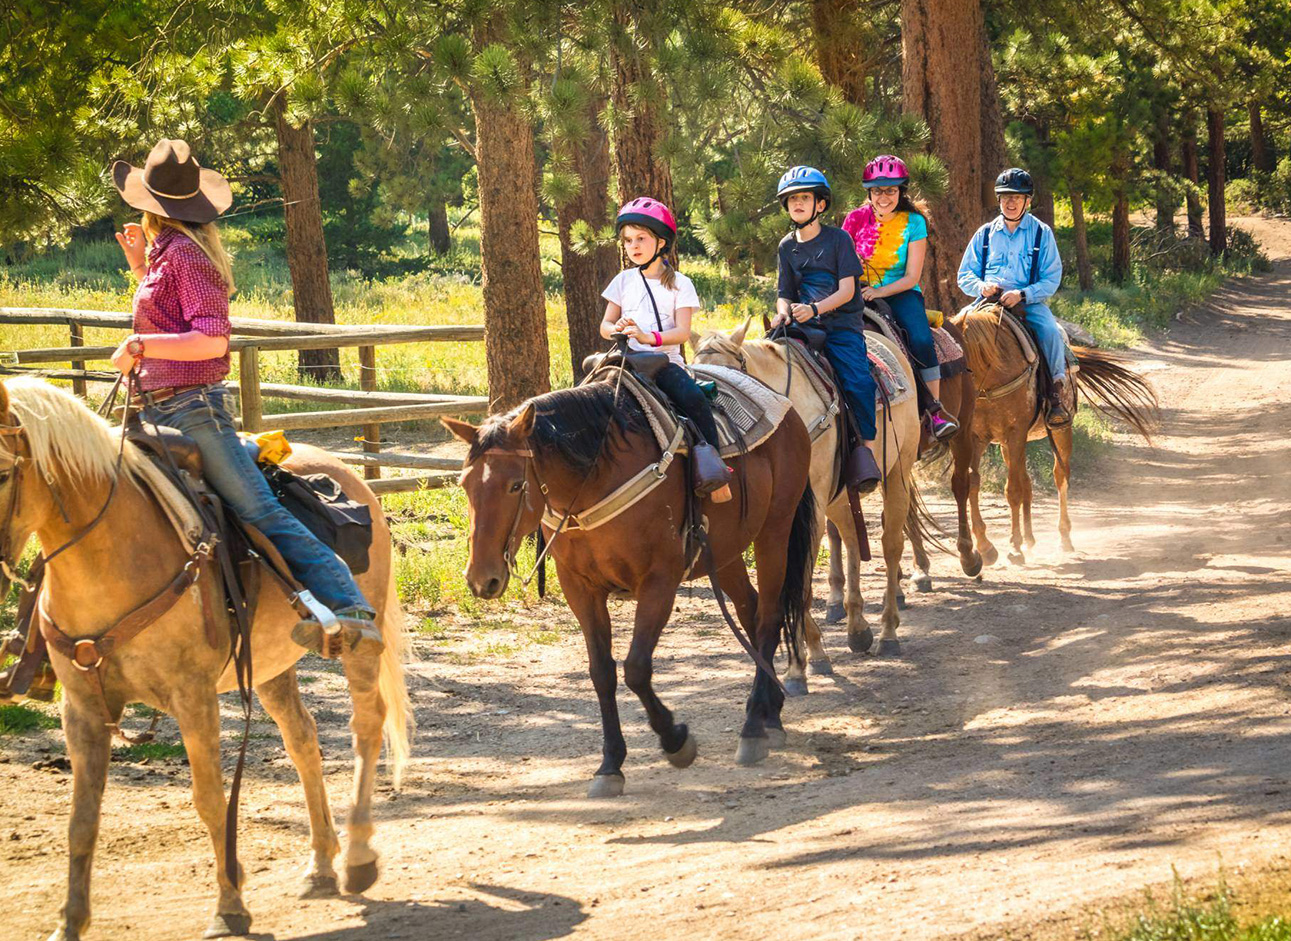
point(718, 349)
point(504, 501)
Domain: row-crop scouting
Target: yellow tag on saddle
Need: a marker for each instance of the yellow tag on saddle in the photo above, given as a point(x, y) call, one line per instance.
point(936, 319)
point(274, 447)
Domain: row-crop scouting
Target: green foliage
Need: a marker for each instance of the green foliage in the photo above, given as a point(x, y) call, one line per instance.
point(19, 719)
point(150, 751)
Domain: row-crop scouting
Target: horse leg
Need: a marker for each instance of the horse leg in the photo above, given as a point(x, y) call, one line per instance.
point(817, 660)
point(280, 697)
point(1015, 488)
point(762, 724)
point(922, 580)
point(89, 748)
point(1027, 491)
point(986, 549)
point(859, 636)
point(961, 449)
point(835, 611)
point(198, 715)
point(589, 606)
point(656, 598)
point(896, 508)
point(362, 673)
point(1062, 477)
point(734, 581)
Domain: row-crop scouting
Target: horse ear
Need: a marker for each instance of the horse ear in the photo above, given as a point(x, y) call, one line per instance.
point(462, 430)
point(4, 403)
point(522, 425)
point(741, 331)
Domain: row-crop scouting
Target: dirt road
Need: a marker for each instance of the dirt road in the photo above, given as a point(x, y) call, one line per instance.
point(1062, 733)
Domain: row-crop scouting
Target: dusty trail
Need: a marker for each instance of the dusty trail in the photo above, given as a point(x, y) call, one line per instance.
point(1131, 714)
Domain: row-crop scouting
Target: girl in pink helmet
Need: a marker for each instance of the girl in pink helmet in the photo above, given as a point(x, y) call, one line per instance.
point(653, 303)
point(891, 233)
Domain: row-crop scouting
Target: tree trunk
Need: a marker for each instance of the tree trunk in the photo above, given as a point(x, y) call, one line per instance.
point(1120, 218)
point(441, 238)
point(1188, 151)
point(1215, 178)
point(1261, 155)
point(515, 312)
point(1042, 201)
point(1165, 204)
point(585, 276)
point(311, 290)
point(634, 94)
point(1084, 269)
point(995, 153)
point(841, 35)
point(941, 77)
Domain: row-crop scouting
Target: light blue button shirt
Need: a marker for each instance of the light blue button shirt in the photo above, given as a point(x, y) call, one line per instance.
point(1009, 261)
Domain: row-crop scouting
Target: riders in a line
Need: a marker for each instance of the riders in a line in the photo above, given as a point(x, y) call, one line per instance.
point(891, 236)
point(1013, 260)
point(179, 351)
point(653, 303)
point(817, 285)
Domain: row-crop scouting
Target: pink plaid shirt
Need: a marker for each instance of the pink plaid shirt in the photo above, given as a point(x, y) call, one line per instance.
point(181, 292)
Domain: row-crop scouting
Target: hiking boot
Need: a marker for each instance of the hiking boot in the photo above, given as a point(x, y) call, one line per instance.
point(359, 633)
point(1056, 414)
point(941, 424)
point(710, 473)
point(862, 472)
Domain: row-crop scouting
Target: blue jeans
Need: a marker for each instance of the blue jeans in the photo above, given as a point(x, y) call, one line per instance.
point(909, 310)
point(1053, 342)
point(203, 415)
point(845, 350)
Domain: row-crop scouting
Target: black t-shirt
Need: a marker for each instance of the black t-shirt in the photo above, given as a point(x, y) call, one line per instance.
point(811, 271)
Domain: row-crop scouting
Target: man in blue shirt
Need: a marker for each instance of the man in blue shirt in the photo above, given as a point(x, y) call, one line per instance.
point(1013, 260)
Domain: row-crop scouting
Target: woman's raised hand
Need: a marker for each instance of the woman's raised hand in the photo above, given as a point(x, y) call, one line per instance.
point(131, 240)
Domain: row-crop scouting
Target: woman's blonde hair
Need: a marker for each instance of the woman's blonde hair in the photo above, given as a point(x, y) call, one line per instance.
point(205, 235)
point(669, 277)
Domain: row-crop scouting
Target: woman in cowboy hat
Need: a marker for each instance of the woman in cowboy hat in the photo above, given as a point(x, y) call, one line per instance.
point(180, 355)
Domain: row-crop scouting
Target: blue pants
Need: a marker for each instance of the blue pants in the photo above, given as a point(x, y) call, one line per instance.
point(203, 415)
point(845, 350)
point(1053, 342)
point(909, 310)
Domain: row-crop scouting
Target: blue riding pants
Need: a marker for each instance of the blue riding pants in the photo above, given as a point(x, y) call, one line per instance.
point(909, 310)
point(1052, 337)
point(845, 350)
point(203, 415)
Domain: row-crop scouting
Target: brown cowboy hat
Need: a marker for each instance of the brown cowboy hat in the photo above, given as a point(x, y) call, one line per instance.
point(173, 184)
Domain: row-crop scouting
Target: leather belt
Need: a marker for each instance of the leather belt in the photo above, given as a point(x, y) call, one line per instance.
point(157, 396)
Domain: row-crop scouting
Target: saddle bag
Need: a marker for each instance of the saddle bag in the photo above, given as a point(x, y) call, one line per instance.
point(342, 524)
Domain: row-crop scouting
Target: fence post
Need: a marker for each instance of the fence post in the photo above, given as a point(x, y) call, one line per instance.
point(78, 339)
point(249, 388)
point(368, 383)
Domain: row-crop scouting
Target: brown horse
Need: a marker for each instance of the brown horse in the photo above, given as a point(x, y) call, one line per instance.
point(58, 462)
point(567, 451)
point(1008, 413)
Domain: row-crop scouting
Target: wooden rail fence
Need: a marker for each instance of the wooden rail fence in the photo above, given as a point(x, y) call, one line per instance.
point(368, 407)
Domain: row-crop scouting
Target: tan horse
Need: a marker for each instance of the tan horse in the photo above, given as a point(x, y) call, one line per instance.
point(897, 444)
point(130, 555)
point(1008, 414)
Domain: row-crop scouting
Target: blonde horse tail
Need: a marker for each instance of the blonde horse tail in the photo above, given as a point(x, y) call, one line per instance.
point(1117, 391)
point(399, 721)
point(920, 520)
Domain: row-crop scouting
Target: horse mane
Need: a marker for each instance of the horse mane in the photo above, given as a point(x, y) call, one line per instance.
point(568, 424)
point(64, 436)
point(982, 329)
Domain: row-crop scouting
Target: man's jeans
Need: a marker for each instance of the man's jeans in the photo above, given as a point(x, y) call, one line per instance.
point(203, 415)
point(1052, 337)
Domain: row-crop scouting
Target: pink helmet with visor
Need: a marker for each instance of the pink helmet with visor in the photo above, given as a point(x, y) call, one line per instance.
point(648, 213)
point(885, 170)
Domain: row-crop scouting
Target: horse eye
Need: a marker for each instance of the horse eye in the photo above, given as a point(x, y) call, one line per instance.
point(516, 486)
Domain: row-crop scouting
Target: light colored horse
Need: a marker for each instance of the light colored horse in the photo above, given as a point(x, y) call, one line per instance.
point(896, 449)
point(127, 557)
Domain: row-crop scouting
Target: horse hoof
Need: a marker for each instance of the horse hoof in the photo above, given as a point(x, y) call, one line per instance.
point(228, 925)
point(776, 737)
point(901, 604)
point(65, 934)
point(890, 648)
point(1017, 558)
point(795, 686)
point(1068, 546)
point(991, 555)
point(973, 566)
point(923, 583)
point(862, 641)
point(835, 613)
point(752, 751)
point(360, 878)
point(607, 785)
point(319, 885)
point(683, 757)
point(820, 667)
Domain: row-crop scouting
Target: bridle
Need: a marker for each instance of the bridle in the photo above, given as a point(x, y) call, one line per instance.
point(522, 501)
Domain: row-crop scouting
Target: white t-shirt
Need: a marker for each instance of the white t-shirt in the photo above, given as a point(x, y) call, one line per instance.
point(628, 290)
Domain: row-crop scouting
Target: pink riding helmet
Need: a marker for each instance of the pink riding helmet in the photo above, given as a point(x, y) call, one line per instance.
point(651, 214)
point(885, 170)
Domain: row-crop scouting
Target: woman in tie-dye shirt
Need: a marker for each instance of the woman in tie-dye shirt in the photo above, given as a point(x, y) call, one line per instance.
point(891, 237)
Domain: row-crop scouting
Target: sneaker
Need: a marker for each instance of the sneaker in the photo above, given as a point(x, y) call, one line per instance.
point(943, 426)
point(359, 633)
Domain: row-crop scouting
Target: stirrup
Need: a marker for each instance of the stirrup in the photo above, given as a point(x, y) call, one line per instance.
point(1056, 415)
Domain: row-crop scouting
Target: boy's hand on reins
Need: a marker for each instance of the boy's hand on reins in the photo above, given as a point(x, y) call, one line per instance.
point(801, 312)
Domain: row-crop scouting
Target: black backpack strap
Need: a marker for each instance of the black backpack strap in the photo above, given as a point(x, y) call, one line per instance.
point(658, 321)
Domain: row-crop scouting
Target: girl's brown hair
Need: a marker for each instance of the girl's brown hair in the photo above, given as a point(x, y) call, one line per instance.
point(204, 235)
point(669, 277)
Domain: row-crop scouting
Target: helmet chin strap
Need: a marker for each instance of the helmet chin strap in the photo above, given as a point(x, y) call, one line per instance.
point(816, 213)
point(1020, 215)
point(661, 249)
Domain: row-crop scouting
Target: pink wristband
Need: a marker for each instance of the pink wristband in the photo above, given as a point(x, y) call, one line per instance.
point(658, 338)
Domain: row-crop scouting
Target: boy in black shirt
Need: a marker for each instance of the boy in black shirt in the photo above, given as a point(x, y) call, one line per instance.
point(818, 275)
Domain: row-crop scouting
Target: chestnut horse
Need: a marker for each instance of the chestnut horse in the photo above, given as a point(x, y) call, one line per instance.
point(564, 452)
point(1008, 413)
point(58, 480)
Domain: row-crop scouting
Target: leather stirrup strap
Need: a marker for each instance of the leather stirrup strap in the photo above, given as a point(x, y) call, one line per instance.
point(706, 554)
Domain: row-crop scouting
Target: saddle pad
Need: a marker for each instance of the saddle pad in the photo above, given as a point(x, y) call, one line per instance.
point(888, 372)
point(821, 383)
point(884, 327)
point(948, 351)
point(183, 517)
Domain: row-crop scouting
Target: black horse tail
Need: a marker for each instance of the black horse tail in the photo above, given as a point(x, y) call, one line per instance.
point(1115, 390)
point(799, 564)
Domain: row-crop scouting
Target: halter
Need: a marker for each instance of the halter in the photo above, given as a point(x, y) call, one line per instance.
point(522, 500)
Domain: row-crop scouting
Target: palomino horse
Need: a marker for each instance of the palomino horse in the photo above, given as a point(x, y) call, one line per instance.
point(565, 452)
point(1008, 413)
point(58, 461)
point(896, 449)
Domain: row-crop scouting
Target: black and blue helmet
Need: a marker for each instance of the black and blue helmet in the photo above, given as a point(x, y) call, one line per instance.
point(803, 180)
point(1014, 180)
